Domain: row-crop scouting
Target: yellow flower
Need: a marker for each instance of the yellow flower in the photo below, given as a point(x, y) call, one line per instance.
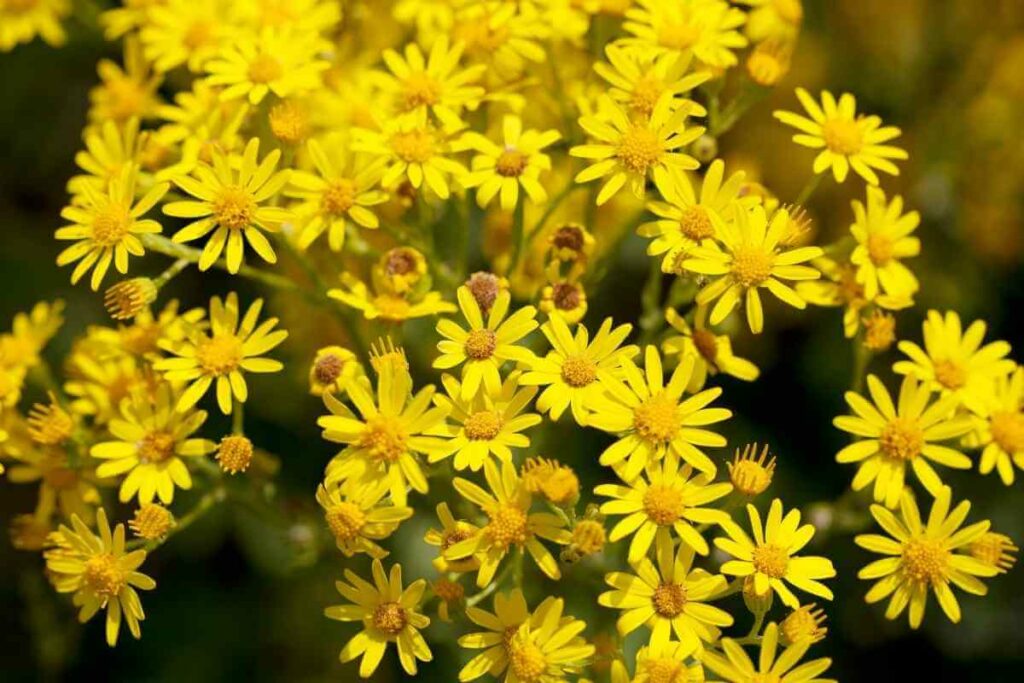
point(357, 518)
point(639, 76)
point(151, 440)
point(954, 362)
point(177, 32)
point(282, 62)
point(125, 93)
point(922, 556)
point(452, 531)
point(564, 299)
point(229, 206)
point(712, 352)
point(387, 305)
point(485, 347)
point(839, 287)
point(845, 139)
point(330, 368)
point(63, 489)
point(896, 435)
point(557, 483)
point(108, 154)
point(752, 259)
point(383, 441)
point(994, 549)
point(96, 568)
point(751, 474)
point(665, 663)
point(667, 499)
point(502, 36)
point(30, 332)
point(654, 420)
point(737, 667)
point(106, 226)
point(1001, 433)
point(883, 232)
point(485, 425)
point(503, 168)
point(707, 27)
point(774, 20)
point(771, 557)
point(510, 523)
point(669, 597)
point(635, 150)
point(231, 348)
point(543, 645)
point(576, 368)
point(102, 380)
point(340, 190)
point(21, 22)
point(806, 622)
point(389, 615)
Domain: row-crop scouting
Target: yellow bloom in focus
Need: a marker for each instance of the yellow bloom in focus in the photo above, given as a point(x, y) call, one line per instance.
point(387, 305)
point(712, 352)
point(96, 568)
point(503, 168)
point(954, 361)
point(510, 523)
point(106, 225)
point(883, 234)
point(1001, 428)
point(177, 32)
point(667, 499)
point(845, 139)
point(925, 556)
point(485, 425)
point(452, 531)
point(707, 27)
point(897, 435)
point(639, 77)
point(356, 517)
point(340, 191)
point(151, 440)
point(653, 419)
point(635, 150)
point(752, 259)
point(575, 370)
point(21, 21)
point(229, 206)
point(485, 347)
point(737, 667)
point(389, 615)
point(230, 348)
point(771, 557)
point(669, 597)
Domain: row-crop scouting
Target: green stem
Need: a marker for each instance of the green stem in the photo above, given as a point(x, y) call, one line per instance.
point(861, 359)
point(552, 206)
point(204, 505)
point(517, 234)
point(237, 417)
point(651, 318)
point(164, 246)
point(808, 189)
point(171, 272)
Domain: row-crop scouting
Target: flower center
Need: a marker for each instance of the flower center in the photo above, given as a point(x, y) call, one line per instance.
point(485, 288)
point(655, 419)
point(480, 344)
point(219, 354)
point(924, 560)
point(771, 560)
point(413, 147)
point(751, 266)
point(453, 536)
point(507, 526)
point(234, 453)
point(20, 6)
point(665, 670)
point(639, 149)
point(646, 92)
point(289, 122)
point(234, 208)
point(843, 136)
point(950, 374)
point(669, 599)
point(346, 520)
point(706, 344)
point(663, 504)
point(901, 439)
point(264, 69)
point(127, 98)
point(578, 372)
point(482, 426)
point(402, 261)
point(103, 576)
point(111, 225)
point(449, 591)
point(156, 447)
point(384, 439)
point(790, 11)
point(566, 296)
point(511, 163)
point(526, 659)
point(390, 617)
point(392, 307)
point(420, 90)
point(880, 248)
point(850, 290)
point(678, 35)
point(199, 33)
point(1008, 430)
point(695, 223)
point(327, 368)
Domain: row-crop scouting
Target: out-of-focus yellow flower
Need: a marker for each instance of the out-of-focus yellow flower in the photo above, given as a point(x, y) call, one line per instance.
point(564, 299)
point(62, 488)
point(1001, 428)
point(126, 93)
point(883, 234)
point(839, 287)
point(21, 22)
point(707, 27)
point(557, 483)
point(737, 667)
point(995, 550)
point(177, 32)
point(387, 305)
point(356, 517)
point(773, 19)
point(108, 155)
point(712, 352)
point(639, 76)
point(502, 36)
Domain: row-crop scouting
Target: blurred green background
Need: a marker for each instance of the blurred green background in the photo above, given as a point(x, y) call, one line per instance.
point(241, 595)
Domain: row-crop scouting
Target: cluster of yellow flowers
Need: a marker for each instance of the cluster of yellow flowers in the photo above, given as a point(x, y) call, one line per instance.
point(408, 133)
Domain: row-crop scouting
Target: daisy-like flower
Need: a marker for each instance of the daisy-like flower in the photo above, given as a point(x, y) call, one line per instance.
point(771, 557)
point(574, 371)
point(634, 151)
point(230, 348)
point(655, 664)
point(896, 435)
point(1001, 431)
point(486, 425)
point(383, 441)
point(125, 93)
point(96, 568)
point(451, 532)
point(712, 352)
point(543, 645)
point(151, 440)
point(654, 420)
point(21, 22)
point(280, 62)
point(839, 287)
point(737, 667)
point(686, 220)
point(106, 225)
point(922, 556)
point(387, 305)
point(357, 518)
point(669, 597)
point(484, 347)
point(229, 206)
point(435, 82)
point(501, 36)
point(177, 32)
point(954, 361)
point(389, 615)
point(883, 234)
point(752, 260)
point(846, 140)
point(638, 77)
point(510, 523)
point(108, 152)
point(774, 20)
point(708, 28)
point(340, 191)
point(503, 168)
point(669, 498)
